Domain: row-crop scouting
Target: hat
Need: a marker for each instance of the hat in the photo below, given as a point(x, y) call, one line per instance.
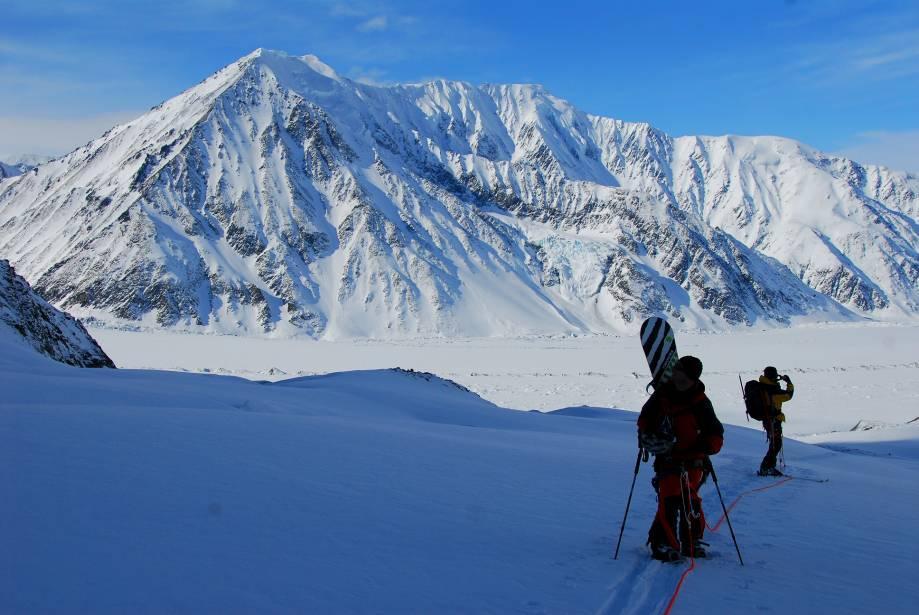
point(691, 366)
point(771, 373)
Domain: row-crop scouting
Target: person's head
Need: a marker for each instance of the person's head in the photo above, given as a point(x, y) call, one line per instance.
point(771, 373)
point(686, 373)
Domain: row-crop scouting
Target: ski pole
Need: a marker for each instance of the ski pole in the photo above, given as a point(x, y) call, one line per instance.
point(724, 508)
point(743, 394)
point(628, 503)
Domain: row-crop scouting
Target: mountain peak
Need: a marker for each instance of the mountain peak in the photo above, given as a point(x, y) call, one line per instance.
point(286, 64)
point(319, 66)
point(278, 197)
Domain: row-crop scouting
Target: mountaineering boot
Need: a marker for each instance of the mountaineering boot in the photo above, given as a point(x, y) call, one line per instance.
point(665, 553)
point(697, 550)
point(769, 472)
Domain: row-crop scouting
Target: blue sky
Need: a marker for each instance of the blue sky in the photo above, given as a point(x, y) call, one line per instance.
point(842, 75)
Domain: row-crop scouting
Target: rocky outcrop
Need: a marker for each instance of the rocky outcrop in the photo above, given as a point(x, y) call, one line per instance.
point(51, 332)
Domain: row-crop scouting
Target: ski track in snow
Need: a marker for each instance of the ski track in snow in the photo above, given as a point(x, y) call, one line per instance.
point(388, 491)
point(649, 584)
point(640, 591)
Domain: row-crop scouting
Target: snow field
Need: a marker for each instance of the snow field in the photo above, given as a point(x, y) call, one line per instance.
point(389, 491)
point(843, 373)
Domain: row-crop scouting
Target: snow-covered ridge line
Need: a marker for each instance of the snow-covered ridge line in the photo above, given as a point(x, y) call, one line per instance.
point(279, 197)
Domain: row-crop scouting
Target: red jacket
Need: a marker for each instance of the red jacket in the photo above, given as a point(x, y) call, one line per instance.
point(689, 416)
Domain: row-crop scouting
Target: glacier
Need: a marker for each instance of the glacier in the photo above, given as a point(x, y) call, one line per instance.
point(279, 198)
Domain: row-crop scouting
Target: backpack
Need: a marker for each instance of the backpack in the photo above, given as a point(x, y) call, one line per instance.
point(756, 397)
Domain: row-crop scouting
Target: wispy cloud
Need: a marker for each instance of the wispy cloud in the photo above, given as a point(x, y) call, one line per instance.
point(874, 57)
point(32, 52)
point(369, 76)
point(341, 9)
point(374, 24)
point(896, 150)
point(54, 136)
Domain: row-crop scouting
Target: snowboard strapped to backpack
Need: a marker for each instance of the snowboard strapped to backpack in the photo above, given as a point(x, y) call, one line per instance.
point(756, 398)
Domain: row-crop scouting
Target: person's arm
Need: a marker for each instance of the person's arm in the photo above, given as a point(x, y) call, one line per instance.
point(646, 418)
point(787, 394)
point(711, 431)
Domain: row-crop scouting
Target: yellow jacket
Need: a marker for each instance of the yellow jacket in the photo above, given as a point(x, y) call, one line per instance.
point(777, 396)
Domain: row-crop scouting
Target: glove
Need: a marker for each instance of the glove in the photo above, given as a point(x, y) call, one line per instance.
point(786, 379)
point(780, 417)
point(654, 443)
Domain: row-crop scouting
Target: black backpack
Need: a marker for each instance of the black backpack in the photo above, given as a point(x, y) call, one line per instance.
point(757, 399)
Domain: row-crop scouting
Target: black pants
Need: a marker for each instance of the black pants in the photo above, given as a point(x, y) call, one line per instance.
point(774, 433)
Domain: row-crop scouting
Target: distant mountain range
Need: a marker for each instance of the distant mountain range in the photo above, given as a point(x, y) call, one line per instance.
point(277, 196)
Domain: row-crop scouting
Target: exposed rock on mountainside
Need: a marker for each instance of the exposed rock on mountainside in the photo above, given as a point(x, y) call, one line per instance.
point(51, 332)
point(278, 196)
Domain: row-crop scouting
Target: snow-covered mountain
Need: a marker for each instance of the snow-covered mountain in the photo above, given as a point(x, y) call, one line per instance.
point(278, 196)
point(27, 318)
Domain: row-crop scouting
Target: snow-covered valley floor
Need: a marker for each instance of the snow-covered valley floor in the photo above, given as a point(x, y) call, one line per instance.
point(843, 373)
point(388, 491)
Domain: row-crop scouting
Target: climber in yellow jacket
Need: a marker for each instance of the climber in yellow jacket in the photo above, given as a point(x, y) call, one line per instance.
point(774, 417)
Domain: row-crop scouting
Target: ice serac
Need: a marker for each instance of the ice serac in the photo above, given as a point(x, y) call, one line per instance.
point(27, 317)
point(7, 171)
point(17, 165)
point(277, 196)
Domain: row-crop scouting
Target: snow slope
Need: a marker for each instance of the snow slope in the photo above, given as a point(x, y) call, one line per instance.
point(388, 491)
point(277, 197)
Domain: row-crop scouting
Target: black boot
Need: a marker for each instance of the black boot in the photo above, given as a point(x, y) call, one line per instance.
point(665, 553)
point(695, 549)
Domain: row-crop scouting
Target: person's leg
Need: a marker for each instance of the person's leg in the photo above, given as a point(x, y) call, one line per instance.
point(777, 438)
point(663, 533)
point(769, 460)
point(692, 524)
point(698, 520)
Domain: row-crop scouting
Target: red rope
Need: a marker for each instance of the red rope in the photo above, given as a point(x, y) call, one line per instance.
point(676, 592)
point(714, 528)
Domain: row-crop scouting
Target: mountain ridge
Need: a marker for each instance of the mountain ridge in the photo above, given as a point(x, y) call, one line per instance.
point(276, 196)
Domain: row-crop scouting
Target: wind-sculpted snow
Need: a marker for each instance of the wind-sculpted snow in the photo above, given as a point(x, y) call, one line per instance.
point(28, 318)
point(276, 196)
